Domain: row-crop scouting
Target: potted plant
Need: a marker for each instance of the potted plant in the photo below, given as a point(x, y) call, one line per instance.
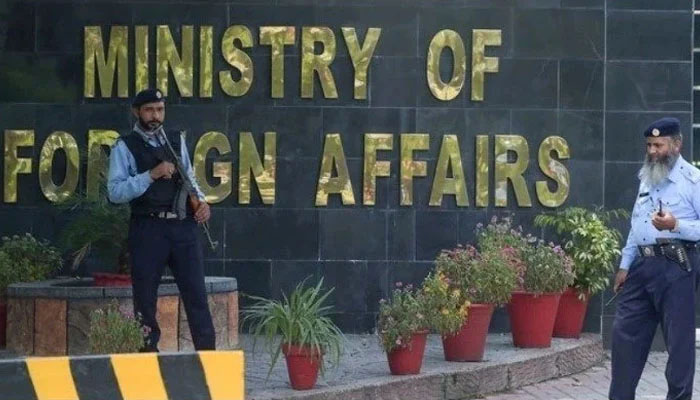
point(112, 331)
point(100, 226)
point(299, 327)
point(543, 273)
point(402, 328)
point(23, 258)
point(594, 247)
point(480, 281)
point(533, 307)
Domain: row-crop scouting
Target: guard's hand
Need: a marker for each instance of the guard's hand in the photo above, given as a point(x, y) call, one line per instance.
point(203, 212)
point(163, 170)
point(620, 279)
point(665, 222)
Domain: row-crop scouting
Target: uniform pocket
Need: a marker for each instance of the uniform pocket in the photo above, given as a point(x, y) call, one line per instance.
point(641, 206)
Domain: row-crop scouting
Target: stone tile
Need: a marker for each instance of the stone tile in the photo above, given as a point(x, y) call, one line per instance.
point(218, 306)
point(50, 329)
point(79, 324)
point(20, 326)
point(167, 317)
point(233, 319)
point(628, 36)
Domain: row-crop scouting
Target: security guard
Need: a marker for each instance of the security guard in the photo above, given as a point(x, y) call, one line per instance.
point(658, 271)
point(163, 227)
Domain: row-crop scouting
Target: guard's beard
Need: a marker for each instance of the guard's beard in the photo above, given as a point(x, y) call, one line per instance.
point(150, 126)
point(654, 172)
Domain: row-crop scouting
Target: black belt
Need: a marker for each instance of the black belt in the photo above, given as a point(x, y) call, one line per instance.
point(164, 215)
point(674, 250)
point(654, 250)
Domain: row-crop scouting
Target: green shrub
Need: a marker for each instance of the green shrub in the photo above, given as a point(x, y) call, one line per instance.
point(23, 258)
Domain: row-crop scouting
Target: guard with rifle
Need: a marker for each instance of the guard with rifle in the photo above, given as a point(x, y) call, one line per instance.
point(151, 169)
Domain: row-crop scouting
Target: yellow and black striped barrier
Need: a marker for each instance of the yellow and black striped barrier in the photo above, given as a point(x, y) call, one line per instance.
point(206, 375)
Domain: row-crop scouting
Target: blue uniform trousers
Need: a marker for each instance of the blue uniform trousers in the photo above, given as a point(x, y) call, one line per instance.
point(153, 244)
point(657, 290)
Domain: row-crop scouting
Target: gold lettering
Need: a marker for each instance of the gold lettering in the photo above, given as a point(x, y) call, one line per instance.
point(334, 156)
point(441, 90)
point(13, 163)
point(482, 171)
point(116, 59)
point(449, 159)
point(167, 56)
point(411, 142)
point(374, 168)
point(555, 170)
point(480, 63)
point(310, 61)
point(277, 37)
point(237, 59)
point(55, 141)
point(361, 56)
point(206, 60)
point(249, 162)
point(97, 159)
point(511, 171)
point(221, 170)
point(141, 61)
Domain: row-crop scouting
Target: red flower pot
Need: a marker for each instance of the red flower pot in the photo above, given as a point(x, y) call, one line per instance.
point(303, 364)
point(570, 315)
point(532, 318)
point(107, 279)
point(469, 342)
point(408, 358)
point(3, 321)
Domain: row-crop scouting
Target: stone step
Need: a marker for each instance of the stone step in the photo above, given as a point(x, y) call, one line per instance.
point(364, 373)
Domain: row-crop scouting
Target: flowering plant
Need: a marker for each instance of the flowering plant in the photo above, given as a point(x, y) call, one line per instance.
point(446, 301)
point(401, 317)
point(112, 331)
point(500, 234)
point(591, 241)
point(548, 269)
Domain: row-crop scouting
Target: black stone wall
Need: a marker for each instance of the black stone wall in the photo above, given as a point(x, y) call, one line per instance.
point(595, 72)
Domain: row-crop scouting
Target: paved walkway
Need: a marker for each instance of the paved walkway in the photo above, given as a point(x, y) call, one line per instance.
point(593, 384)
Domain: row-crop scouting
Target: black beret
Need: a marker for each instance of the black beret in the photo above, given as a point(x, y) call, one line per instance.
point(148, 96)
point(666, 126)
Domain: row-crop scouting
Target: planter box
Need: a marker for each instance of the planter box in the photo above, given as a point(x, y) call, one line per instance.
point(53, 317)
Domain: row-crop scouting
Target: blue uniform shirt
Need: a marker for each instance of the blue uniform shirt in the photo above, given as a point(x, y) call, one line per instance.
point(679, 194)
point(124, 183)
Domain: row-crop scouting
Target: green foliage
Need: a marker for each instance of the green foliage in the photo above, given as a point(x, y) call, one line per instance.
point(99, 226)
point(111, 331)
point(548, 269)
point(446, 302)
point(23, 258)
point(401, 317)
point(300, 319)
point(593, 245)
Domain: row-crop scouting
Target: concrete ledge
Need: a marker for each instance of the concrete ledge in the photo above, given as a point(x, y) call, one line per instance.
point(81, 288)
point(215, 375)
point(364, 374)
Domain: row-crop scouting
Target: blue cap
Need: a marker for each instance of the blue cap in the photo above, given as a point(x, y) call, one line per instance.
point(148, 96)
point(666, 126)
